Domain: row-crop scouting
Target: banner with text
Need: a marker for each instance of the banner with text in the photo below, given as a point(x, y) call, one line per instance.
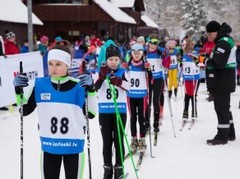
point(32, 66)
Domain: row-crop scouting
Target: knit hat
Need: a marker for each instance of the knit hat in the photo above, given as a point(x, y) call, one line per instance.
point(213, 26)
point(136, 47)
point(113, 50)
point(10, 35)
point(60, 55)
point(58, 39)
point(44, 39)
point(140, 39)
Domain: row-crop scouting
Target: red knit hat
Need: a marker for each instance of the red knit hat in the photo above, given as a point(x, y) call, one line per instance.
point(44, 39)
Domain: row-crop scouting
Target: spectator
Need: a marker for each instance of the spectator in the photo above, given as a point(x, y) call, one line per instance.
point(25, 48)
point(43, 46)
point(10, 44)
point(94, 41)
point(221, 80)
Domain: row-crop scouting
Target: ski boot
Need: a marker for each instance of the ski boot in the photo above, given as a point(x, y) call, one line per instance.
point(142, 144)
point(134, 144)
point(185, 115)
point(108, 171)
point(118, 172)
point(194, 115)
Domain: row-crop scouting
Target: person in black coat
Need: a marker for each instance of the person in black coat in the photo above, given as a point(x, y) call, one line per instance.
point(221, 79)
point(238, 63)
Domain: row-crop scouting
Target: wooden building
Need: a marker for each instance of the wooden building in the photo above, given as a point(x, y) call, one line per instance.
point(14, 18)
point(75, 17)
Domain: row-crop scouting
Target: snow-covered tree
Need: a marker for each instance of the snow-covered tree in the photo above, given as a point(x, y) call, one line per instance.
point(168, 15)
point(195, 17)
point(228, 12)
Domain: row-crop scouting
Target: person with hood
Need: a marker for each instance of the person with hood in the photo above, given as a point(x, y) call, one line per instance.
point(102, 55)
point(221, 83)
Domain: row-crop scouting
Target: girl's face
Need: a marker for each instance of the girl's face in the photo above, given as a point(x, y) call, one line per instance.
point(137, 55)
point(113, 62)
point(152, 47)
point(57, 68)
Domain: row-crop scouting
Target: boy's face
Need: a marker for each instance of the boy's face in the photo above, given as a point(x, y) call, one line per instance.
point(113, 62)
point(57, 68)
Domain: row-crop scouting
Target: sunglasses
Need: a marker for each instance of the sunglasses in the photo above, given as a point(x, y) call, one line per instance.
point(154, 41)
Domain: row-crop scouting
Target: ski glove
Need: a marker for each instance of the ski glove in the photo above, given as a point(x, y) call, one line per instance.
point(86, 82)
point(20, 80)
point(114, 80)
point(104, 70)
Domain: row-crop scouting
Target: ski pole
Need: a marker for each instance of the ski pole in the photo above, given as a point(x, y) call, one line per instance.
point(169, 104)
point(21, 124)
point(120, 124)
point(149, 113)
point(88, 137)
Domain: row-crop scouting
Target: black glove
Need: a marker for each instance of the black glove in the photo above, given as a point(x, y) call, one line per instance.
point(114, 80)
point(104, 70)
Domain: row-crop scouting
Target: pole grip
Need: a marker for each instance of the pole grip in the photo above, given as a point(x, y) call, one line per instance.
point(21, 72)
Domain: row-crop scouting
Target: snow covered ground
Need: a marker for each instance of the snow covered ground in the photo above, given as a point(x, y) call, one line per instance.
point(185, 157)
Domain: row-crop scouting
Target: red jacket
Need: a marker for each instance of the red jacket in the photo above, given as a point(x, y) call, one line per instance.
point(207, 48)
point(11, 48)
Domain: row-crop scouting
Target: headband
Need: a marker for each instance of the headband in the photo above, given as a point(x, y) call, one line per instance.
point(60, 55)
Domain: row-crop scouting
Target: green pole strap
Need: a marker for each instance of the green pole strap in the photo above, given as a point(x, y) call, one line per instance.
point(119, 121)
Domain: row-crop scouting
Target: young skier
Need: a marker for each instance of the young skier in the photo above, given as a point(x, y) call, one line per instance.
point(155, 79)
point(173, 69)
point(112, 73)
point(89, 61)
point(191, 75)
point(137, 95)
point(60, 100)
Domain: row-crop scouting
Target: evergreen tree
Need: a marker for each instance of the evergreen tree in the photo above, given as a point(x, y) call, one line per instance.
point(194, 18)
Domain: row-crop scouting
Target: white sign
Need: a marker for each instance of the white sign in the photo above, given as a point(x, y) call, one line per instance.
point(32, 66)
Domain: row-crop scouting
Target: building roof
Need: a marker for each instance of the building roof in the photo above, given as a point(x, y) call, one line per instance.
point(116, 13)
point(123, 3)
point(16, 11)
point(149, 22)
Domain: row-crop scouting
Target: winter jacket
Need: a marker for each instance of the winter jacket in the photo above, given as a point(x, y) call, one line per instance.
point(222, 64)
point(11, 48)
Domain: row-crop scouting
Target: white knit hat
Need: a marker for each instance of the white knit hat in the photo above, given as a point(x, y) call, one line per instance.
point(60, 55)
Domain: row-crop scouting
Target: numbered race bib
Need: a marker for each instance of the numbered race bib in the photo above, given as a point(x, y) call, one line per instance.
point(61, 134)
point(156, 67)
point(138, 83)
point(105, 102)
point(61, 119)
point(190, 71)
point(174, 62)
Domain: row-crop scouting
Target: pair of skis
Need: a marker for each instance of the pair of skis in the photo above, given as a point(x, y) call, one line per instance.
point(184, 123)
point(140, 158)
